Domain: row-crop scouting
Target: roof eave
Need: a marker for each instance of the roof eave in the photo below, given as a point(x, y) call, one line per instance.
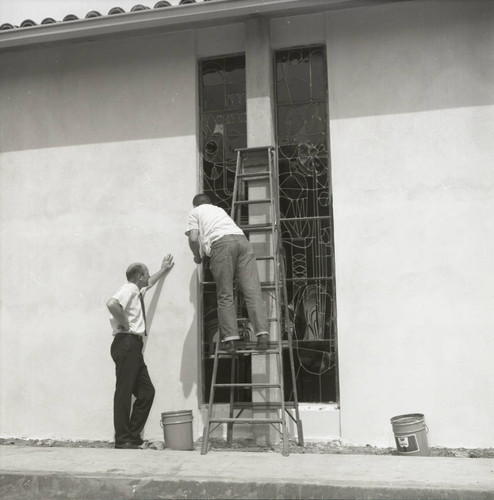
point(168, 19)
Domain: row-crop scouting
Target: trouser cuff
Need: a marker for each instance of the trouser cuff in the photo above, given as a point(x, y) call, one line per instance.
point(234, 337)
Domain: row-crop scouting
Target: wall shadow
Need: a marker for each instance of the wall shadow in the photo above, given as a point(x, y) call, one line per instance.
point(410, 57)
point(99, 92)
point(191, 353)
point(387, 59)
point(151, 308)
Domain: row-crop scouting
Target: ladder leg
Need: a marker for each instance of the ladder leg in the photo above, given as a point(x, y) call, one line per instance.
point(284, 427)
point(300, 435)
point(286, 444)
point(229, 427)
point(205, 436)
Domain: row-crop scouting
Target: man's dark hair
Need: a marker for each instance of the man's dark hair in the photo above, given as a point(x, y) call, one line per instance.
point(200, 199)
point(134, 270)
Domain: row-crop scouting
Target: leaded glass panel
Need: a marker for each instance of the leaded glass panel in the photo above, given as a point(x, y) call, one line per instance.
point(306, 217)
point(223, 130)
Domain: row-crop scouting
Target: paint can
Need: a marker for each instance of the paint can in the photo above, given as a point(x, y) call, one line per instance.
point(177, 429)
point(411, 434)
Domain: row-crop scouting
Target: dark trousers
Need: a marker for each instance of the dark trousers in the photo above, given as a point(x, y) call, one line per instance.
point(132, 379)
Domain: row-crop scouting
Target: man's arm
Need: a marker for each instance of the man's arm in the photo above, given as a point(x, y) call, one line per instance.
point(117, 312)
point(166, 264)
point(194, 245)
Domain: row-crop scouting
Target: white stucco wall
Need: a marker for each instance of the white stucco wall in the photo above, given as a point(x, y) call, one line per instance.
point(99, 161)
point(411, 102)
point(98, 168)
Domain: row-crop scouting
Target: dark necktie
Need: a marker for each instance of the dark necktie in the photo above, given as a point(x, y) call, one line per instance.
point(141, 298)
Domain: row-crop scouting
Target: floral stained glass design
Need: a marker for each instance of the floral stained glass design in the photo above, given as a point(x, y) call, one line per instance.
point(306, 216)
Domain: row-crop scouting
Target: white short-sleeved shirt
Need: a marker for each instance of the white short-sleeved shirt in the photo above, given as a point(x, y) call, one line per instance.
point(213, 223)
point(128, 297)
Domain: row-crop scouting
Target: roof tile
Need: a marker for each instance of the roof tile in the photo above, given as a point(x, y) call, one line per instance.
point(70, 17)
point(28, 23)
point(93, 13)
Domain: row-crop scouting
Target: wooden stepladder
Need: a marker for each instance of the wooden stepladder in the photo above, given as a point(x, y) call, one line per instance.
point(255, 209)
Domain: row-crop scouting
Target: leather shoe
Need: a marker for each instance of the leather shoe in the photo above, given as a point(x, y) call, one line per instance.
point(262, 342)
point(127, 446)
point(230, 346)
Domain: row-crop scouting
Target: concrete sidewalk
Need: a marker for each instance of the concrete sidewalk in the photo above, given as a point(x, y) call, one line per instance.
point(84, 473)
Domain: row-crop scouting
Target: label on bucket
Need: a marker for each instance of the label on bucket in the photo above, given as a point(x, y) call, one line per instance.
point(407, 444)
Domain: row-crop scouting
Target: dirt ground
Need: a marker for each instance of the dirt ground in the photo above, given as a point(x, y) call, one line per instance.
point(242, 445)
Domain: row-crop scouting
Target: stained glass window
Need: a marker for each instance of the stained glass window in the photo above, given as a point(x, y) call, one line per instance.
point(223, 130)
point(223, 125)
point(305, 208)
point(306, 218)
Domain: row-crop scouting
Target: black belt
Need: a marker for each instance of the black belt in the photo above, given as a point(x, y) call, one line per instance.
point(138, 337)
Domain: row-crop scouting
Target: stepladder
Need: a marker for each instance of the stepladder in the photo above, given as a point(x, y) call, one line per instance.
point(255, 209)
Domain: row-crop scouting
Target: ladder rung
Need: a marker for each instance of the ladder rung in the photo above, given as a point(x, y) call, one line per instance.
point(245, 420)
point(252, 202)
point(271, 319)
point(265, 257)
point(254, 175)
point(211, 283)
point(258, 405)
point(268, 284)
point(246, 351)
point(257, 227)
point(225, 354)
point(253, 385)
point(255, 149)
point(256, 163)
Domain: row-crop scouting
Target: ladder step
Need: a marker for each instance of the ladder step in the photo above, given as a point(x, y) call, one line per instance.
point(254, 175)
point(225, 355)
point(245, 351)
point(211, 283)
point(257, 227)
point(255, 149)
point(268, 284)
point(271, 319)
point(246, 420)
point(253, 385)
point(258, 405)
point(256, 165)
point(252, 202)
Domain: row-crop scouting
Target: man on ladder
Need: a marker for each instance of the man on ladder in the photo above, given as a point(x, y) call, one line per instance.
point(212, 230)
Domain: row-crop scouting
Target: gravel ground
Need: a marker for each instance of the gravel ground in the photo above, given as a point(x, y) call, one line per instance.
point(242, 445)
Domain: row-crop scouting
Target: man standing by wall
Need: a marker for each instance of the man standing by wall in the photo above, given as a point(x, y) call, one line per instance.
point(128, 320)
point(232, 258)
